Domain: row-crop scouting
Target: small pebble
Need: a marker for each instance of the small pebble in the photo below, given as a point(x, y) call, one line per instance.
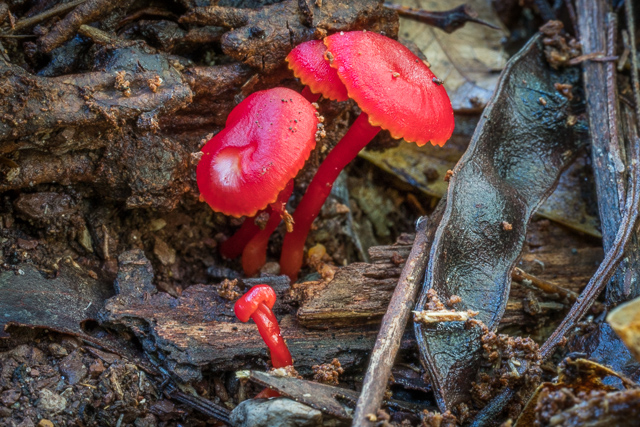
point(9, 397)
point(96, 368)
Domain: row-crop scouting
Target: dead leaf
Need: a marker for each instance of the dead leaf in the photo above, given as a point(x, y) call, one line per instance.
point(425, 167)
point(625, 321)
point(469, 60)
point(517, 153)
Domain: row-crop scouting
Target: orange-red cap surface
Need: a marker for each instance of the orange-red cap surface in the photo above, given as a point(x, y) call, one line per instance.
point(308, 63)
point(266, 141)
point(393, 86)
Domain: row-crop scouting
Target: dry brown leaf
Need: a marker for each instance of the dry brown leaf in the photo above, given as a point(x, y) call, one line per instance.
point(425, 167)
point(469, 60)
point(625, 321)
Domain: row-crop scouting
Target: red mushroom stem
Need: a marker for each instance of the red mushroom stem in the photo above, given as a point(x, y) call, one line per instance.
point(356, 138)
point(257, 304)
point(270, 332)
point(254, 254)
point(234, 245)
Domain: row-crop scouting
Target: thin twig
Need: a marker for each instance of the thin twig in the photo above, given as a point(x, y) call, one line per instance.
point(572, 16)
point(66, 28)
point(392, 328)
point(448, 21)
point(627, 223)
point(594, 56)
point(201, 404)
point(545, 286)
point(634, 58)
point(102, 37)
point(54, 11)
point(613, 109)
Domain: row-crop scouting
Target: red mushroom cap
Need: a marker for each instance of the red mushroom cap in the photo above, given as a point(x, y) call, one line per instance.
point(393, 86)
point(266, 141)
point(308, 63)
point(249, 302)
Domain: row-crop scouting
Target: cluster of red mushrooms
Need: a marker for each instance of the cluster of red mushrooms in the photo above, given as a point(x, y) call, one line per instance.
point(248, 168)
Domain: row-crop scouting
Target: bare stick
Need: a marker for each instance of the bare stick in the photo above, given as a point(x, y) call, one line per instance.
point(627, 223)
point(392, 328)
point(545, 286)
point(448, 21)
point(49, 13)
point(87, 12)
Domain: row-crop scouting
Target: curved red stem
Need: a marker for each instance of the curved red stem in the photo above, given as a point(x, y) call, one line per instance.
point(254, 254)
point(234, 245)
point(356, 138)
point(270, 333)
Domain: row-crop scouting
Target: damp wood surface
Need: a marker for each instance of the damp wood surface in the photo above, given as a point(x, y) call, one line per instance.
point(360, 292)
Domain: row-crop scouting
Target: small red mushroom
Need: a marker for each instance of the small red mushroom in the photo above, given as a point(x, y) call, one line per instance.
point(257, 304)
point(396, 91)
point(266, 141)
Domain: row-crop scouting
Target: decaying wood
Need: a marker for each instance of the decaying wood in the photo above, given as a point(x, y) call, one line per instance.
point(336, 319)
point(199, 328)
point(261, 38)
point(360, 292)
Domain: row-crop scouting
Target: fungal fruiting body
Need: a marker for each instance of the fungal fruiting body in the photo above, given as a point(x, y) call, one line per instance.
point(395, 90)
point(308, 63)
point(254, 255)
point(244, 168)
point(256, 304)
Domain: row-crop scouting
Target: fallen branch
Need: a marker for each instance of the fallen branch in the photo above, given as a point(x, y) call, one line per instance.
point(627, 224)
point(394, 323)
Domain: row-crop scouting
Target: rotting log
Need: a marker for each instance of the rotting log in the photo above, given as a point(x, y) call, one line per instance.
point(198, 329)
point(359, 293)
point(335, 319)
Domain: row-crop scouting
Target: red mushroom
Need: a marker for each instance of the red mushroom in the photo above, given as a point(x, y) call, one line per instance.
point(257, 304)
point(266, 141)
point(308, 63)
point(396, 91)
